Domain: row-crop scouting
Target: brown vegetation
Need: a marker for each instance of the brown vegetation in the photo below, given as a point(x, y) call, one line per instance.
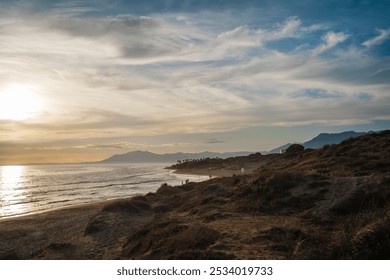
point(330, 203)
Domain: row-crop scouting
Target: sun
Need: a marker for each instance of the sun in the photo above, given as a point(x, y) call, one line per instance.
point(19, 102)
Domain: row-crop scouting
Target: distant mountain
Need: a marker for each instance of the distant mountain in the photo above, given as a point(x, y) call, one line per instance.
point(331, 138)
point(148, 157)
point(278, 149)
point(322, 139)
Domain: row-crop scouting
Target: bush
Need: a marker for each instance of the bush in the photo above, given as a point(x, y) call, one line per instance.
point(134, 206)
point(295, 148)
point(169, 240)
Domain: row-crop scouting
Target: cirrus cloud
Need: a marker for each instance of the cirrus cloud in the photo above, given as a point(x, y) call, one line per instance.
point(130, 75)
point(384, 34)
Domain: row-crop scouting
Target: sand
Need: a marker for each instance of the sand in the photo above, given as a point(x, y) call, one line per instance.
point(332, 203)
point(218, 171)
point(110, 230)
point(53, 234)
point(23, 237)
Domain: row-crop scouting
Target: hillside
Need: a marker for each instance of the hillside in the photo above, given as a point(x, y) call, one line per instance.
point(330, 203)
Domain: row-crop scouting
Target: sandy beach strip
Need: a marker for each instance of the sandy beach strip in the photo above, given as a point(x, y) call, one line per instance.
point(25, 236)
point(22, 236)
point(219, 172)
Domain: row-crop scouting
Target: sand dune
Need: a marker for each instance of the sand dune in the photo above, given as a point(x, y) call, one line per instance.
point(330, 203)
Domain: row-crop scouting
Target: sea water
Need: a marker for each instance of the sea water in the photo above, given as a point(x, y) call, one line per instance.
point(26, 189)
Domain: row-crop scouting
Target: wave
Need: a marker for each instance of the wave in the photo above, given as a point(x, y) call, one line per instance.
point(40, 188)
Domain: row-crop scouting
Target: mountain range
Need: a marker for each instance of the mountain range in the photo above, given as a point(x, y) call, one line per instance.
point(321, 140)
point(148, 157)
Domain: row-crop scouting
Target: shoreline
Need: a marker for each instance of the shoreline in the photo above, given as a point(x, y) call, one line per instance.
point(28, 236)
point(294, 206)
point(215, 173)
point(52, 233)
point(33, 210)
point(101, 203)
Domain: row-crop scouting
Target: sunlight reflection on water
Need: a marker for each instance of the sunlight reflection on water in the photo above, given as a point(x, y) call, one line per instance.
point(32, 189)
point(12, 192)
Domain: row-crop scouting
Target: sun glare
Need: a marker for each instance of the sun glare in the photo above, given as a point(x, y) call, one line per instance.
point(12, 191)
point(18, 103)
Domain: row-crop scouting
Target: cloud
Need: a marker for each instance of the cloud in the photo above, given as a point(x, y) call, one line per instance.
point(384, 34)
point(98, 27)
point(116, 79)
point(319, 94)
point(118, 76)
point(101, 144)
point(241, 36)
point(364, 96)
point(289, 28)
point(292, 27)
point(331, 39)
point(214, 141)
point(52, 148)
point(76, 8)
point(96, 146)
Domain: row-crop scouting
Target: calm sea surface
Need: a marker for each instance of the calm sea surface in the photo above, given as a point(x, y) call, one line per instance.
point(36, 188)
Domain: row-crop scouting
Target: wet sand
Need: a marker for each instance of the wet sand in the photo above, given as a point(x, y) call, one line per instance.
point(25, 237)
point(331, 203)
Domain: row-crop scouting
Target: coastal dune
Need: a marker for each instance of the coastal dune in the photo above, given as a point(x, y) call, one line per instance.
point(330, 203)
point(72, 232)
point(26, 237)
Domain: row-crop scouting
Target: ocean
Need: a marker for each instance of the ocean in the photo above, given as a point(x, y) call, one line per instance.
point(27, 189)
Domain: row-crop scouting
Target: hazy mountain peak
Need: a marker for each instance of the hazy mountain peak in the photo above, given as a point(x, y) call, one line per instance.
point(322, 139)
point(146, 156)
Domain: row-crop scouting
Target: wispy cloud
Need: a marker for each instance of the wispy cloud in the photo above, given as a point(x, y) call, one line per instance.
point(125, 75)
point(331, 39)
point(290, 28)
point(138, 69)
point(384, 34)
point(319, 94)
point(215, 141)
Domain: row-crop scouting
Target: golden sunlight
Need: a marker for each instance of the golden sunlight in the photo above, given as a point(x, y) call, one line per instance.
point(12, 194)
point(19, 102)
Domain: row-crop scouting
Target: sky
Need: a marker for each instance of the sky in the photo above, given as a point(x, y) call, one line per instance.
point(82, 80)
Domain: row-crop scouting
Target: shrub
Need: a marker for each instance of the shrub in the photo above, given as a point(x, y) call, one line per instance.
point(362, 236)
point(169, 240)
point(295, 148)
point(134, 206)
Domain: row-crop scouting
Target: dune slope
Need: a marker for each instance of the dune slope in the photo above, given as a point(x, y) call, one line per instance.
point(330, 203)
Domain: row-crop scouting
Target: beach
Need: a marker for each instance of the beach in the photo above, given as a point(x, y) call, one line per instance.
point(25, 236)
point(108, 230)
point(53, 231)
point(28, 189)
point(330, 203)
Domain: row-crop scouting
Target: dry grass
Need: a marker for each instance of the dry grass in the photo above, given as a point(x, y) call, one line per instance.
point(170, 240)
point(134, 205)
point(330, 203)
point(362, 236)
